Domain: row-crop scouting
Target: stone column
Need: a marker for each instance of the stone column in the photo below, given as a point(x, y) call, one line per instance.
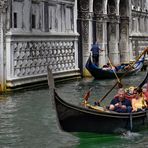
point(124, 40)
point(114, 40)
point(27, 15)
point(45, 17)
point(103, 55)
point(117, 7)
point(75, 9)
point(3, 6)
point(86, 23)
point(125, 16)
point(130, 49)
point(130, 30)
point(101, 33)
point(105, 6)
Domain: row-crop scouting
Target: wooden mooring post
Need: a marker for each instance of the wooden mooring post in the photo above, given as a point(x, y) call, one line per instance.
point(145, 65)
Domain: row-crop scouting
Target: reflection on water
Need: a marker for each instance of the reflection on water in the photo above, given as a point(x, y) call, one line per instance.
point(28, 120)
point(130, 140)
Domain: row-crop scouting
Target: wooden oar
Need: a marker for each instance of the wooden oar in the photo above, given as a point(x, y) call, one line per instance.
point(131, 65)
point(137, 58)
point(119, 81)
point(87, 95)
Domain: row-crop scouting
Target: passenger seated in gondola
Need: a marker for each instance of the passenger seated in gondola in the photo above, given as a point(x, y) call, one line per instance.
point(120, 103)
point(145, 92)
point(138, 102)
point(128, 67)
point(124, 67)
point(108, 67)
point(130, 92)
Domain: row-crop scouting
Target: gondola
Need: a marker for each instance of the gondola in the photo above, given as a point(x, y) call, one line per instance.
point(74, 118)
point(102, 73)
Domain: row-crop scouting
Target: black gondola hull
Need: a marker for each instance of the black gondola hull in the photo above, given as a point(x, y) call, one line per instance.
point(79, 119)
point(74, 118)
point(99, 73)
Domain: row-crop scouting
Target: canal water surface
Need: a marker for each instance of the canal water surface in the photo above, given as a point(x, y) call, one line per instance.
point(28, 119)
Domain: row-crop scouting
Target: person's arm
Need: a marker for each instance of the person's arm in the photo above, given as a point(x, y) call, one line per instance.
point(127, 104)
point(118, 105)
point(133, 105)
point(112, 105)
point(123, 107)
point(100, 49)
point(144, 101)
point(145, 96)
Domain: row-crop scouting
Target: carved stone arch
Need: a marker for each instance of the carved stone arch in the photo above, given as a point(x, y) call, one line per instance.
point(98, 6)
point(140, 3)
point(97, 27)
point(83, 5)
point(83, 9)
point(111, 7)
point(124, 16)
point(123, 8)
point(84, 15)
point(145, 5)
point(3, 5)
point(124, 30)
point(136, 3)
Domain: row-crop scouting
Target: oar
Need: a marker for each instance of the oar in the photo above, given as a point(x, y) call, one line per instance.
point(132, 64)
point(119, 81)
point(137, 58)
point(87, 95)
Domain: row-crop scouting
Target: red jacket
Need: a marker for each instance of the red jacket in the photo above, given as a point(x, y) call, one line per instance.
point(146, 95)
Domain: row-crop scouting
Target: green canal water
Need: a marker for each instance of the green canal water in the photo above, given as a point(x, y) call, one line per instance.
point(28, 119)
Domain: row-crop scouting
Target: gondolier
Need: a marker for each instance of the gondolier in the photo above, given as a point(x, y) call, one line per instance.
point(95, 53)
point(99, 72)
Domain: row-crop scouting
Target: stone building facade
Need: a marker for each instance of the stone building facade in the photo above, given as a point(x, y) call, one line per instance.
point(34, 34)
point(118, 26)
point(59, 33)
point(138, 25)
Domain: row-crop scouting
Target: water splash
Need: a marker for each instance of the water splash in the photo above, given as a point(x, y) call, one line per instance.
point(130, 135)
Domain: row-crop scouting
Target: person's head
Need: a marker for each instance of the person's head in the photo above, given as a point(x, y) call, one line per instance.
point(145, 88)
point(131, 90)
point(139, 90)
point(135, 91)
point(121, 94)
